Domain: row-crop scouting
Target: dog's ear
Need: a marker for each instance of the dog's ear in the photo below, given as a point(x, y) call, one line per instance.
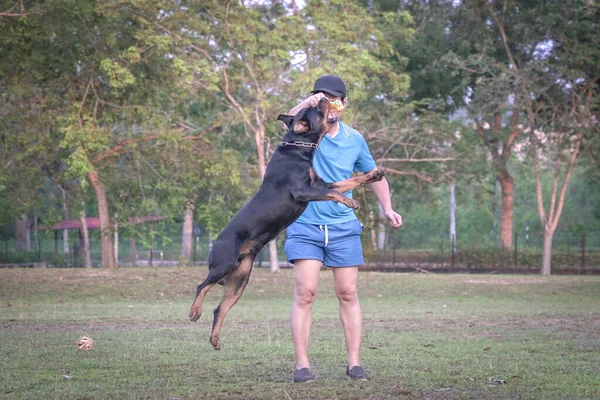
point(301, 126)
point(288, 120)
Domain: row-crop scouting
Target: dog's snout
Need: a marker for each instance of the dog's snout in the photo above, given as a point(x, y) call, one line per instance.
point(324, 104)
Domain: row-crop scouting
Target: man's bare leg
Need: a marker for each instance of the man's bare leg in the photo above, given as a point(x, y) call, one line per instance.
point(350, 311)
point(305, 292)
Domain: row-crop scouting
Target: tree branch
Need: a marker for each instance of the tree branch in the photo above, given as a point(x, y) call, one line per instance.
point(416, 160)
point(118, 149)
point(87, 89)
point(235, 104)
point(9, 13)
point(491, 147)
point(504, 39)
point(538, 189)
point(563, 189)
point(419, 175)
point(555, 178)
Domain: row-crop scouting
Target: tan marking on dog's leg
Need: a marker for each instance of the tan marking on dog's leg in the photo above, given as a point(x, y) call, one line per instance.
point(196, 310)
point(348, 184)
point(340, 198)
point(245, 249)
point(234, 287)
point(352, 183)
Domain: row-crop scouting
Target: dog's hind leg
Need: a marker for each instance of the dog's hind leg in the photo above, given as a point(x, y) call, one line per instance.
point(222, 259)
point(235, 283)
point(201, 291)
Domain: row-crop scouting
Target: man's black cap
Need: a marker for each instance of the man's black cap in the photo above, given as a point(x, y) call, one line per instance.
point(330, 84)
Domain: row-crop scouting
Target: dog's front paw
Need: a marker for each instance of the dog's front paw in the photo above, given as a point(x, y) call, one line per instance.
point(216, 343)
point(194, 314)
point(352, 204)
point(375, 176)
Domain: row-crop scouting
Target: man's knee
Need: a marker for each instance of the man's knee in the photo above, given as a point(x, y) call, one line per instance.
point(347, 294)
point(305, 296)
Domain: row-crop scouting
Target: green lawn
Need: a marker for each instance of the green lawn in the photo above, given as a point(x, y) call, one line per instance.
point(425, 336)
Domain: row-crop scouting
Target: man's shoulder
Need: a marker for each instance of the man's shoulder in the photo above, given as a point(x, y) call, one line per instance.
point(349, 131)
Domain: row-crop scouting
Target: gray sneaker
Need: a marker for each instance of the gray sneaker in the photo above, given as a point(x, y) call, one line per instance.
point(303, 375)
point(357, 373)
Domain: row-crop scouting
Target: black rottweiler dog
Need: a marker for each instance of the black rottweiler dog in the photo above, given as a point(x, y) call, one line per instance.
point(289, 184)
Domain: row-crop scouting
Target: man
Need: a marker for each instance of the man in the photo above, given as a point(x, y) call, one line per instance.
point(328, 233)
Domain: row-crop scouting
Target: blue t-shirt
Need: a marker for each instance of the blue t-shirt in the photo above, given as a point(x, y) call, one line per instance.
point(334, 161)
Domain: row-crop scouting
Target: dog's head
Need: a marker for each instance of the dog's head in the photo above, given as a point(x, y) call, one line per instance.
point(309, 125)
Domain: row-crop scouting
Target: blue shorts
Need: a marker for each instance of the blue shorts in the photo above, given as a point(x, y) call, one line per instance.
point(336, 245)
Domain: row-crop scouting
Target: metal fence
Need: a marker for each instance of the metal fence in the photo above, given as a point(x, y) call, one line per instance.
point(570, 251)
point(402, 247)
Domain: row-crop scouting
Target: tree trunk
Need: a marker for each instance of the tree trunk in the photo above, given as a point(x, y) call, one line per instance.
point(187, 228)
point(372, 232)
point(108, 255)
point(259, 137)
point(452, 214)
point(547, 254)
point(132, 252)
point(85, 248)
point(273, 257)
point(65, 232)
point(506, 223)
point(550, 220)
point(116, 243)
point(36, 239)
point(22, 234)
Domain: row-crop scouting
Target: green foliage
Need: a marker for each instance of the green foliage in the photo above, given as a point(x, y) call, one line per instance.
point(167, 101)
point(60, 261)
point(118, 76)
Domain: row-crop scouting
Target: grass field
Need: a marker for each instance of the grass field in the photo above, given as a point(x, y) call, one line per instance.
point(425, 336)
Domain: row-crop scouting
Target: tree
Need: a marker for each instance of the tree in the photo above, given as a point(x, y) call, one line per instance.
point(259, 59)
point(414, 134)
point(534, 74)
point(488, 59)
point(563, 104)
point(105, 87)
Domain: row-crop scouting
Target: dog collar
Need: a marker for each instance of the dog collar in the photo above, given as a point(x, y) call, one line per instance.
point(300, 144)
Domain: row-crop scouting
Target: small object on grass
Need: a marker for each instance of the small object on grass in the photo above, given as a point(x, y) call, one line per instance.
point(496, 381)
point(85, 343)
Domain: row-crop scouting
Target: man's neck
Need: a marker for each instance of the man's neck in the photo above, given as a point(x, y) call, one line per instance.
point(334, 130)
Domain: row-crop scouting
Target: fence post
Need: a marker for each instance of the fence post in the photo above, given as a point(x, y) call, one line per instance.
point(453, 249)
point(385, 243)
point(583, 250)
point(442, 254)
point(132, 255)
point(516, 262)
point(394, 256)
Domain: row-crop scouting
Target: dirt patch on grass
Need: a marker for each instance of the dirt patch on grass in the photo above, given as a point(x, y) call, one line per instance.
point(506, 281)
point(15, 326)
point(464, 328)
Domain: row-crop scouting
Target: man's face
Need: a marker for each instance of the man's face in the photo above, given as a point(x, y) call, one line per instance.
point(334, 115)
